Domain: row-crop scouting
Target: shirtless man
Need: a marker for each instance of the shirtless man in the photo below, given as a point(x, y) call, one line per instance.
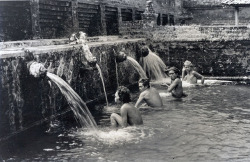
point(175, 88)
point(189, 75)
point(149, 94)
point(129, 114)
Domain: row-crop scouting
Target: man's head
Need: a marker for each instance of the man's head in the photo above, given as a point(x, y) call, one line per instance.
point(188, 65)
point(173, 72)
point(144, 84)
point(122, 94)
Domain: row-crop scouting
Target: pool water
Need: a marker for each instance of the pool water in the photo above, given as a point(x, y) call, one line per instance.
point(211, 124)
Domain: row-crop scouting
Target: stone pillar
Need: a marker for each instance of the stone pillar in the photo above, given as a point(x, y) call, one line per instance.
point(178, 10)
point(160, 17)
point(103, 20)
point(149, 16)
point(34, 8)
point(236, 16)
point(75, 23)
point(133, 14)
point(119, 17)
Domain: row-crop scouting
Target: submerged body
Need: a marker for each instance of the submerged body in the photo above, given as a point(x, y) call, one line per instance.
point(129, 114)
point(175, 88)
point(149, 95)
point(189, 75)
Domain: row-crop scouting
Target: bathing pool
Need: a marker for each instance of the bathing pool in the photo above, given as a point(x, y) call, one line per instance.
point(211, 124)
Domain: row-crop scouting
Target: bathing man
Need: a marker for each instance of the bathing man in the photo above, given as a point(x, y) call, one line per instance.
point(149, 94)
point(189, 75)
point(129, 114)
point(175, 88)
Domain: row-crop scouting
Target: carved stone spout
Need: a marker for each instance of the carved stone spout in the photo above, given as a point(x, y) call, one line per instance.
point(120, 57)
point(144, 51)
point(89, 56)
point(36, 69)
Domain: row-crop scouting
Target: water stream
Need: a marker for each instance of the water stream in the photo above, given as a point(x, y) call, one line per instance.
point(103, 84)
point(78, 106)
point(153, 66)
point(137, 67)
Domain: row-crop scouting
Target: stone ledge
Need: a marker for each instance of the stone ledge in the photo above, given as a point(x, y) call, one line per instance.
point(19, 51)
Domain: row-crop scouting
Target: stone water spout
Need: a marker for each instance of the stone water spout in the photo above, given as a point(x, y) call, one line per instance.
point(81, 39)
point(35, 68)
point(144, 51)
point(121, 56)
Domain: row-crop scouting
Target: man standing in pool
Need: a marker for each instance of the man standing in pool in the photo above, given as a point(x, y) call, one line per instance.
point(175, 88)
point(129, 114)
point(189, 74)
point(148, 94)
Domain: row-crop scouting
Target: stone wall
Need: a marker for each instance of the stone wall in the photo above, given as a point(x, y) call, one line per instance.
point(212, 12)
point(212, 58)
point(26, 101)
point(15, 21)
point(199, 33)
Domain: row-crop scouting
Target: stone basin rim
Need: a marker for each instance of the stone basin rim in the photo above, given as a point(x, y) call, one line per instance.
point(19, 51)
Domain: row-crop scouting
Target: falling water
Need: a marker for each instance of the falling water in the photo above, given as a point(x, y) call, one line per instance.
point(78, 106)
point(137, 67)
point(153, 66)
point(100, 72)
point(116, 72)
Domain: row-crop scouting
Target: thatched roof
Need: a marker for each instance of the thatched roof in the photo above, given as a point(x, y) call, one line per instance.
point(236, 2)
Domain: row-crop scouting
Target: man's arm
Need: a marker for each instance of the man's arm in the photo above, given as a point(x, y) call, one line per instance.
point(124, 115)
point(173, 85)
point(140, 99)
point(183, 73)
point(197, 75)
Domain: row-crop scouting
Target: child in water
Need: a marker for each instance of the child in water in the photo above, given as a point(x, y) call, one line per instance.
point(189, 74)
point(175, 88)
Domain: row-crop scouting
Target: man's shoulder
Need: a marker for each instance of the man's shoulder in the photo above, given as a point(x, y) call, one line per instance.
point(144, 93)
point(127, 106)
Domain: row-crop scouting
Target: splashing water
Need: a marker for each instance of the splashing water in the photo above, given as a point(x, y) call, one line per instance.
point(137, 67)
point(79, 108)
point(100, 72)
point(153, 66)
point(108, 136)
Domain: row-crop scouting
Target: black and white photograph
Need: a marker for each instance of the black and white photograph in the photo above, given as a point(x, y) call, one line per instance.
point(125, 80)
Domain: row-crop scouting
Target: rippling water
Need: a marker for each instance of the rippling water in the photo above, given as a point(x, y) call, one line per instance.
point(211, 124)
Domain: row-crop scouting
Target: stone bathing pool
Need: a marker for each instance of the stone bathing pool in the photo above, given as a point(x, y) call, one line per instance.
point(211, 124)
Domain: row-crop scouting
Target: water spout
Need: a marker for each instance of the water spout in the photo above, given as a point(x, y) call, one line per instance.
point(89, 56)
point(120, 57)
point(153, 66)
point(36, 69)
point(103, 84)
point(137, 67)
point(144, 51)
point(79, 108)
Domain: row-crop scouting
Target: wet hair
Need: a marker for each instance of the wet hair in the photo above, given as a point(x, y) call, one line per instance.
point(145, 82)
point(124, 94)
point(176, 70)
point(188, 63)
